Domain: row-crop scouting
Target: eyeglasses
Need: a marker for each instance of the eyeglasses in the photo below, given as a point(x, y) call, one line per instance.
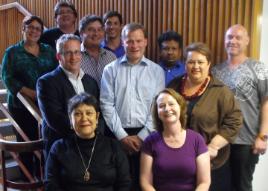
point(72, 53)
point(32, 28)
point(65, 12)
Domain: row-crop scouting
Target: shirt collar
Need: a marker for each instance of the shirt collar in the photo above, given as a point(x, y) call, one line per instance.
point(71, 75)
point(101, 50)
point(124, 60)
point(178, 64)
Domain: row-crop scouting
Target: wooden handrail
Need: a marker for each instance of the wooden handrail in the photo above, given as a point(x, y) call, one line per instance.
point(14, 123)
point(17, 6)
point(31, 107)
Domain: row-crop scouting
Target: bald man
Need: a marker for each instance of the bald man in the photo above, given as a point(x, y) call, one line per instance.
point(248, 79)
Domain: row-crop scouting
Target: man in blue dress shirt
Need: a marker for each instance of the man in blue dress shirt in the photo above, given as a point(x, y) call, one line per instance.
point(170, 44)
point(128, 87)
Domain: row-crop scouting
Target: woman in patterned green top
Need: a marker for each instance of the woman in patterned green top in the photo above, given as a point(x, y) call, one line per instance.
point(22, 64)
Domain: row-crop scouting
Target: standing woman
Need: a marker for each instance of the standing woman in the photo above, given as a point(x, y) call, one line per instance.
point(173, 158)
point(23, 63)
point(212, 111)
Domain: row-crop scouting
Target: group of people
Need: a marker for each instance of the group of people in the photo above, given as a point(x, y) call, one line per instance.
point(115, 120)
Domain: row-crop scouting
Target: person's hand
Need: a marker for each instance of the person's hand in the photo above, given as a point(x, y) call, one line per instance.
point(259, 146)
point(213, 151)
point(28, 92)
point(131, 144)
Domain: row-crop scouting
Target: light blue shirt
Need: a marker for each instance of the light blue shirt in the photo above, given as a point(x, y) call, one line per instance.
point(126, 95)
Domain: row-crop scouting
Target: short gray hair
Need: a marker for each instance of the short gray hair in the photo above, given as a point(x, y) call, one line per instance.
point(63, 39)
point(132, 27)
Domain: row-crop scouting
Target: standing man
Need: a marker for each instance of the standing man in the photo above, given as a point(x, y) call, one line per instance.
point(94, 58)
point(170, 44)
point(65, 16)
point(54, 89)
point(113, 23)
point(248, 79)
point(128, 87)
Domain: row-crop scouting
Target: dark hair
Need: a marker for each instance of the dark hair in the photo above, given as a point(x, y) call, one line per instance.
point(198, 47)
point(61, 4)
point(82, 98)
point(132, 27)
point(29, 19)
point(86, 20)
point(112, 14)
point(168, 36)
point(183, 109)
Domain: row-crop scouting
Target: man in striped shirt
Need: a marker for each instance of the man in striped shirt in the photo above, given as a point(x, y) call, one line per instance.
point(94, 58)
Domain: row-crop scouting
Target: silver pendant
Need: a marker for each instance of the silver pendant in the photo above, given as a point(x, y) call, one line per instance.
point(86, 176)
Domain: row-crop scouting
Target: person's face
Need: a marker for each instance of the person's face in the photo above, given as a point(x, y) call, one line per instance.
point(65, 17)
point(93, 34)
point(84, 120)
point(168, 109)
point(32, 32)
point(113, 27)
point(197, 66)
point(170, 52)
point(134, 45)
point(70, 58)
point(236, 41)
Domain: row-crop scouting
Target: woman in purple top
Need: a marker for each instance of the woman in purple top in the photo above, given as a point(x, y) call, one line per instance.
point(173, 158)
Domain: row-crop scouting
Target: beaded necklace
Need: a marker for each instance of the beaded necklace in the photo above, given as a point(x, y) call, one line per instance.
point(197, 93)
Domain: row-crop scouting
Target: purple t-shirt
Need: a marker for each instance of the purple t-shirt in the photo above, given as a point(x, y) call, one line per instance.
point(174, 168)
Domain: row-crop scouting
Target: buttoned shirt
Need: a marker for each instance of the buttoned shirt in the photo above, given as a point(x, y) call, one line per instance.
point(119, 51)
point(127, 92)
point(76, 81)
point(95, 68)
point(172, 72)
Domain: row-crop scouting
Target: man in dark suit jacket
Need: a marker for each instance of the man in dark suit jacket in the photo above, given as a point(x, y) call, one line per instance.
point(55, 89)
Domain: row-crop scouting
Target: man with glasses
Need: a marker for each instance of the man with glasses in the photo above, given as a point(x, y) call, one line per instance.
point(65, 17)
point(57, 87)
point(94, 58)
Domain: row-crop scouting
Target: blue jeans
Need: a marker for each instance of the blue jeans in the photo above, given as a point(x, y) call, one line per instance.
point(243, 162)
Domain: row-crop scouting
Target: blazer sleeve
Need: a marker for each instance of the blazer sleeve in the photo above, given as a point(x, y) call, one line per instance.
point(53, 105)
point(232, 118)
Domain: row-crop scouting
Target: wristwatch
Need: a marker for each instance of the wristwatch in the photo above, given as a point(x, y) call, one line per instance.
point(263, 137)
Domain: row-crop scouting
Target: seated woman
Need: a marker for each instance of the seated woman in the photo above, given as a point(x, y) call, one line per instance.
point(173, 158)
point(86, 160)
point(212, 111)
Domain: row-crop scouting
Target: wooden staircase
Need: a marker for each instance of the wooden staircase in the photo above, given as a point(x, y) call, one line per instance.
point(7, 133)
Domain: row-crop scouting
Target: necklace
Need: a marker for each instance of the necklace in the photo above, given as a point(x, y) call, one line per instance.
point(197, 93)
point(86, 173)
